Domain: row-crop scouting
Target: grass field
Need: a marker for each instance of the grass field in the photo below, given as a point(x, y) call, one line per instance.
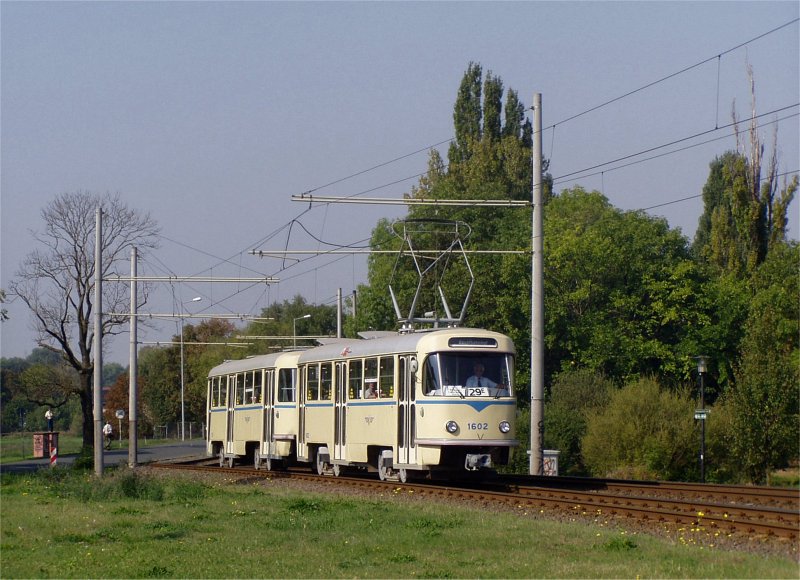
point(60, 523)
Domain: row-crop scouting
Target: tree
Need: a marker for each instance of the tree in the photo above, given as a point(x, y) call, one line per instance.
point(622, 294)
point(159, 390)
point(487, 160)
point(467, 114)
point(715, 196)
point(3, 311)
point(13, 406)
point(745, 213)
point(48, 385)
point(117, 399)
point(56, 281)
point(765, 400)
point(492, 107)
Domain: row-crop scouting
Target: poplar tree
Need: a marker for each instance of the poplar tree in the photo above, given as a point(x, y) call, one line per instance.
point(467, 114)
point(746, 208)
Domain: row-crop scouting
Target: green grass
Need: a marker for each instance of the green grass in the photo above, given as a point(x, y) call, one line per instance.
point(61, 523)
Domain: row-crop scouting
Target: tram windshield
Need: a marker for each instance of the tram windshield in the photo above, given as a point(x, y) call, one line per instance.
point(468, 375)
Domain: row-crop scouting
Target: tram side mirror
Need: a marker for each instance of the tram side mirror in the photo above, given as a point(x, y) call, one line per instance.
point(413, 365)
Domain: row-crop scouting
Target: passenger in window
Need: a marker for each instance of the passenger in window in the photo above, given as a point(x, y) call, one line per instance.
point(372, 391)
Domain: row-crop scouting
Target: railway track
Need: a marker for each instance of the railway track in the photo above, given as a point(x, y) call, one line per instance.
point(724, 509)
point(777, 497)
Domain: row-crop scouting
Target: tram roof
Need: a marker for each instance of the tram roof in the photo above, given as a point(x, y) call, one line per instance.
point(382, 343)
point(387, 344)
point(260, 361)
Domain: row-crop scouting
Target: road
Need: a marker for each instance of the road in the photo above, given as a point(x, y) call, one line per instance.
point(194, 448)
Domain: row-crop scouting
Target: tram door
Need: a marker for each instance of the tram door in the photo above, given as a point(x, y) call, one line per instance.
point(231, 402)
point(406, 412)
point(268, 399)
point(340, 411)
point(302, 446)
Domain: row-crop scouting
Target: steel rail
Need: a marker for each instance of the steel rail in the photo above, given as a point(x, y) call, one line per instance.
point(757, 495)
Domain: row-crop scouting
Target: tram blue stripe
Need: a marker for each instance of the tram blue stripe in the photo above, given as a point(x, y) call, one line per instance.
point(477, 405)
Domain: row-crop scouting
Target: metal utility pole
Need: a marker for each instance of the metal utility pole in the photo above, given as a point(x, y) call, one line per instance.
point(98, 343)
point(134, 370)
point(338, 313)
point(701, 413)
point(537, 298)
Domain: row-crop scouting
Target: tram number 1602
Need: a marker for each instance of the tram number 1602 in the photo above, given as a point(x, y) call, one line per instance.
point(477, 426)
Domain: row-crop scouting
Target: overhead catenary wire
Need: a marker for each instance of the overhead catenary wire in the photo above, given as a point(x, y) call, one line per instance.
point(674, 142)
point(673, 75)
point(294, 265)
point(571, 117)
point(563, 179)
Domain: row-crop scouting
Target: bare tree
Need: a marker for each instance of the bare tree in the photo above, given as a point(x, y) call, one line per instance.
point(3, 311)
point(56, 281)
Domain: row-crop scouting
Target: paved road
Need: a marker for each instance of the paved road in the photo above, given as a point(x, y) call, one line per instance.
point(195, 448)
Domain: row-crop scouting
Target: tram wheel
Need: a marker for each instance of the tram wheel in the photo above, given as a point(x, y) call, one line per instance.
point(384, 472)
point(222, 457)
point(268, 465)
point(320, 464)
point(403, 475)
point(337, 470)
point(257, 459)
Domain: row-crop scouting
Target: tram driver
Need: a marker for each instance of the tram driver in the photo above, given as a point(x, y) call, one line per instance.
point(479, 380)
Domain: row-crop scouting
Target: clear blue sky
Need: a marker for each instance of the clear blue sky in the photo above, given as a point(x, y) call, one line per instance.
point(210, 116)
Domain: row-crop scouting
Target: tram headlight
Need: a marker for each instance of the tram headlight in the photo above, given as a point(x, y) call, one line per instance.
point(451, 427)
point(505, 427)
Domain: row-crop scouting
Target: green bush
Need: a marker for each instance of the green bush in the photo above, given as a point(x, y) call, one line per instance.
point(645, 432)
point(574, 397)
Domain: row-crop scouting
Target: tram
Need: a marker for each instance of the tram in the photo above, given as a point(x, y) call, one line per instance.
point(403, 405)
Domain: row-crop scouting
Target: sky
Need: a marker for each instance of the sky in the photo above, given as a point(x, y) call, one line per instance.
point(210, 116)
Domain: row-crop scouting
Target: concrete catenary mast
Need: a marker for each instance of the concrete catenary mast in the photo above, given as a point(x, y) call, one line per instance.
point(537, 298)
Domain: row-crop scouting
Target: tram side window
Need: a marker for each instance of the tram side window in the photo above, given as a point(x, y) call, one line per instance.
point(222, 391)
point(286, 381)
point(312, 382)
point(326, 383)
point(371, 378)
point(387, 377)
point(213, 397)
point(240, 389)
point(257, 386)
point(355, 379)
point(248, 387)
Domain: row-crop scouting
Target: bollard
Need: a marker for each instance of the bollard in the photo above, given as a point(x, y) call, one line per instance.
point(53, 456)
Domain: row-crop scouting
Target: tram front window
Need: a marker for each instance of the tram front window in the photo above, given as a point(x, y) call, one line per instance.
point(468, 375)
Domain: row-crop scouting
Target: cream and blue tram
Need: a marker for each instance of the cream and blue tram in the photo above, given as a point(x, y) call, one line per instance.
point(252, 409)
point(406, 404)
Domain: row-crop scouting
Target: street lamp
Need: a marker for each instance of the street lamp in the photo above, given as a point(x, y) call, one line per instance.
point(183, 407)
point(701, 413)
point(294, 328)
